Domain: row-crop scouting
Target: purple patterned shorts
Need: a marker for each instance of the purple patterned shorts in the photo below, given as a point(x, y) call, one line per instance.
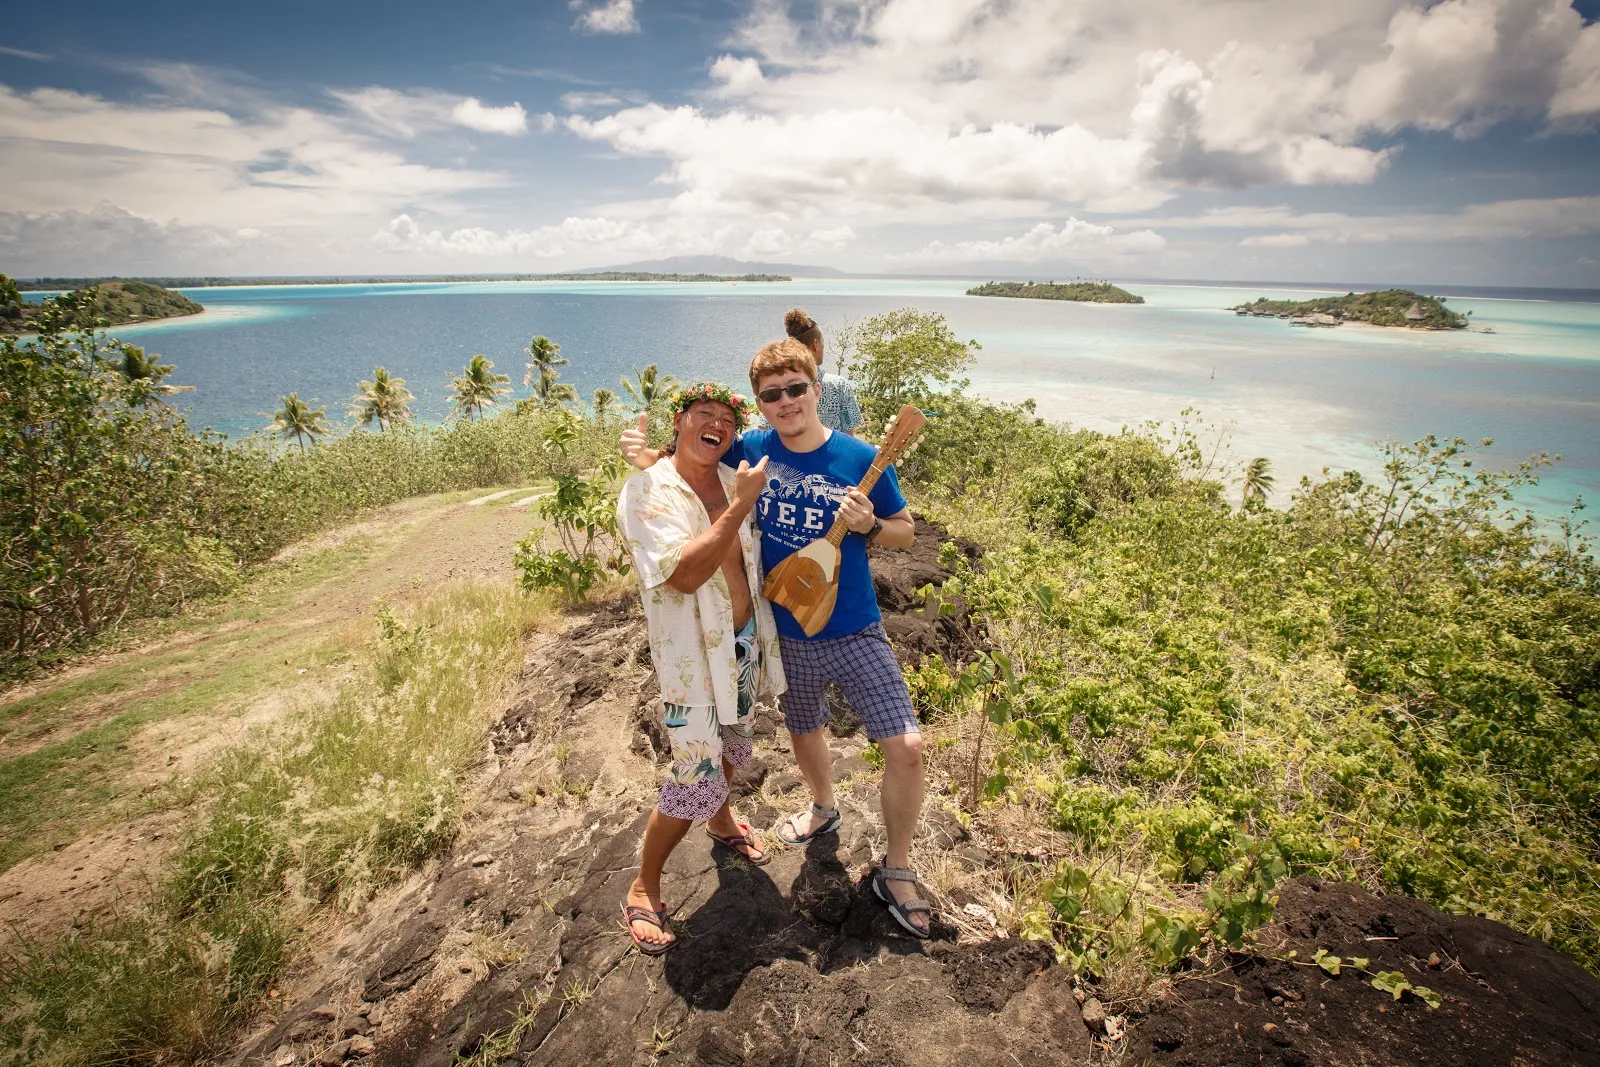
point(863, 666)
point(698, 785)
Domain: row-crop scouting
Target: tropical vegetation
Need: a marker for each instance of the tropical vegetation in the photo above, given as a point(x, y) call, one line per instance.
point(903, 356)
point(301, 421)
point(384, 400)
point(111, 303)
point(478, 387)
point(1084, 292)
point(648, 387)
point(1388, 307)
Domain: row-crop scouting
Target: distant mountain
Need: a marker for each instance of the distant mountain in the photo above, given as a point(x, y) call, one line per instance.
point(718, 265)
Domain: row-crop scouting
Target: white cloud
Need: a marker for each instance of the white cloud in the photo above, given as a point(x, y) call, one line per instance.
point(1276, 240)
point(1044, 243)
point(403, 234)
point(834, 235)
point(737, 75)
point(109, 239)
point(613, 16)
point(924, 110)
point(768, 241)
point(407, 115)
point(274, 168)
point(509, 120)
point(1554, 217)
point(23, 53)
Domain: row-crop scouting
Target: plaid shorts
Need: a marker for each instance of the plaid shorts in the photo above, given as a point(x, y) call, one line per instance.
point(862, 665)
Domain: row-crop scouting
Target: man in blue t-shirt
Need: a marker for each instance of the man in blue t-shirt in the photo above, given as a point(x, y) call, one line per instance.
point(812, 476)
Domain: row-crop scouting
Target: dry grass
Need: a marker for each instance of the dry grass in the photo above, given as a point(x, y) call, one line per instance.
point(348, 796)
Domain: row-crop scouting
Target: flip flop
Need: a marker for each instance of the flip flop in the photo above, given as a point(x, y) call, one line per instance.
point(632, 913)
point(901, 912)
point(741, 843)
point(787, 834)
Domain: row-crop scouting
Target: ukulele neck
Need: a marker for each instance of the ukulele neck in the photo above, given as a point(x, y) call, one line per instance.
point(836, 532)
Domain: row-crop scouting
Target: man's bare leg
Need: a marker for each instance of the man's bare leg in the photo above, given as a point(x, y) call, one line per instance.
point(902, 805)
point(811, 755)
point(660, 838)
point(725, 823)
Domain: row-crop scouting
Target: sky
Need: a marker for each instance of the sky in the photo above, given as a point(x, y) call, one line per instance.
point(1364, 141)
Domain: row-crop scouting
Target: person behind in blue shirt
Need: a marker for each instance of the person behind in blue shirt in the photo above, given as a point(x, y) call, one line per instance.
point(836, 395)
point(812, 476)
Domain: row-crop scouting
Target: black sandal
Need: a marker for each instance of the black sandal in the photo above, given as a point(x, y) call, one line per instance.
point(901, 912)
point(632, 913)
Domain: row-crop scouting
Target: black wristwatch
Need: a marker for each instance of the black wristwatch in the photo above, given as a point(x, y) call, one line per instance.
point(872, 534)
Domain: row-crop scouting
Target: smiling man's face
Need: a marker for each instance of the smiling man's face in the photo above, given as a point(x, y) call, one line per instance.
point(705, 430)
point(789, 415)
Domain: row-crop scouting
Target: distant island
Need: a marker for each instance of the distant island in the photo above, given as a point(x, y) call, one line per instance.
point(1084, 292)
point(116, 303)
point(53, 284)
point(1390, 307)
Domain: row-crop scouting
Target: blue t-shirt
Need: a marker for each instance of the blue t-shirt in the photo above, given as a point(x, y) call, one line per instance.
point(799, 504)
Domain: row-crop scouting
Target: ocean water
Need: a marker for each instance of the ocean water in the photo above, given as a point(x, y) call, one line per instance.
point(1527, 374)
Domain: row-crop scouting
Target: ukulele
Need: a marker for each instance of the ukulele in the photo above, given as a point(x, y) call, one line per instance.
point(807, 581)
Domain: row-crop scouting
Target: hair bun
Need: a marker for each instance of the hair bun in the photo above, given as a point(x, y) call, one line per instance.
point(797, 322)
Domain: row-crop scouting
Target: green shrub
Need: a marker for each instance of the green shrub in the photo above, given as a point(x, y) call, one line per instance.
point(1395, 681)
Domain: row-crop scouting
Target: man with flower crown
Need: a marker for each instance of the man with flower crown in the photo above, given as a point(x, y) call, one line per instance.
point(688, 523)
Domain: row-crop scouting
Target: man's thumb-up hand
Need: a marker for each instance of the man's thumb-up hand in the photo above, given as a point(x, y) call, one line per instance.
point(748, 481)
point(632, 441)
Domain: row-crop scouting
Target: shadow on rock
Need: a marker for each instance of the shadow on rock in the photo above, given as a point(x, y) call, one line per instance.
point(745, 924)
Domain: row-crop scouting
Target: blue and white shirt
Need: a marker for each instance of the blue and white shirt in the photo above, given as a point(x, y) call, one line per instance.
point(836, 403)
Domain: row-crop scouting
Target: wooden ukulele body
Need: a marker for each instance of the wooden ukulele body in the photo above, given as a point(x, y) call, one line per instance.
point(807, 581)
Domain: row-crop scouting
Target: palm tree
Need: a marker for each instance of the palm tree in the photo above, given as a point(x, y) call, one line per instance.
point(544, 356)
point(1258, 481)
point(649, 387)
point(300, 420)
point(604, 402)
point(384, 400)
point(478, 387)
point(145, 374)
point(549, 393)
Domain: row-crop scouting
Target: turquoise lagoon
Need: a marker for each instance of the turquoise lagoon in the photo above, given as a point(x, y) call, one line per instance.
point(1307, 399)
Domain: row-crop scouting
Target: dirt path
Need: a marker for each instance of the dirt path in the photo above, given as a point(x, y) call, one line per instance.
point(86, 755)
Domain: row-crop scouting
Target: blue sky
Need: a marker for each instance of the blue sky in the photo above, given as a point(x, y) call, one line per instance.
point(1375, 140)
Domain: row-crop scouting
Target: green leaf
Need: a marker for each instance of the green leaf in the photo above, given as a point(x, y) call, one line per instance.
point(1427, 996)
point(1391, 982)
point(1328, 962)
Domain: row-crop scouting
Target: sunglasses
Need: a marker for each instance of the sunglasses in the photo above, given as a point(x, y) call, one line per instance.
point(793, 389)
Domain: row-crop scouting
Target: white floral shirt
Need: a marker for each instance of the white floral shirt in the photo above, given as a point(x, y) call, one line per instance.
point(692, 634)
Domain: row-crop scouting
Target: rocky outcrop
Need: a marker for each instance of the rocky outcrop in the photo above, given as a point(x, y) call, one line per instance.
point(511, 949)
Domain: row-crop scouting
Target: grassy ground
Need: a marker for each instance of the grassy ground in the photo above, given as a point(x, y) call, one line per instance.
point(90, 745)
point(384, 650)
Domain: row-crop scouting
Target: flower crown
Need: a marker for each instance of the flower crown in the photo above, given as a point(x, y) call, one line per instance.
point(716, 391)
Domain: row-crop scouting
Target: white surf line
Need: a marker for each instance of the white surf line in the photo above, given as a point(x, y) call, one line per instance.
point(493, 496)
point(525, 501)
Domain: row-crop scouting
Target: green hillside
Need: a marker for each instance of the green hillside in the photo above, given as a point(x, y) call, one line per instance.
point(116, 303)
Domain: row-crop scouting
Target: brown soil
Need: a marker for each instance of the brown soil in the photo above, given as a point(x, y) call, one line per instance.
point(1509, 1000)
point(49, 893)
